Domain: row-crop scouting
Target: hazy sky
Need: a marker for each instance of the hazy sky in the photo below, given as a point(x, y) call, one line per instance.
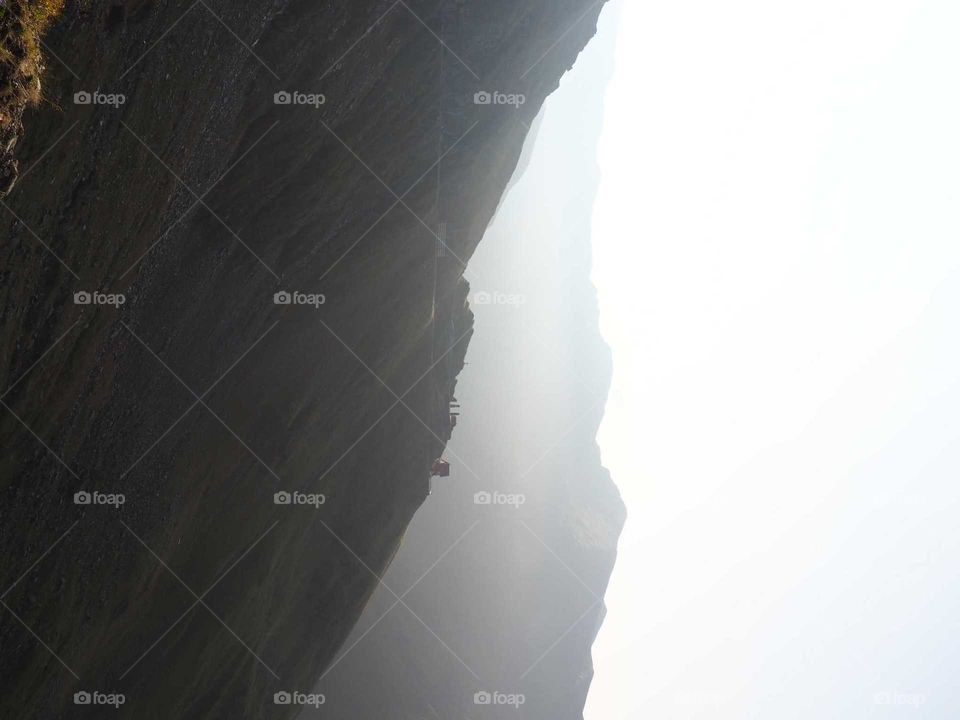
point(777, 242)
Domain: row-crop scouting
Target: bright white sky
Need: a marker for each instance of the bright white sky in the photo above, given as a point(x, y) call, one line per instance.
point(777, 244)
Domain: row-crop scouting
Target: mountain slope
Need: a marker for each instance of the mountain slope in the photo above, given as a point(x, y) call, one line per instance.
point(179, 183)
point(512, 589)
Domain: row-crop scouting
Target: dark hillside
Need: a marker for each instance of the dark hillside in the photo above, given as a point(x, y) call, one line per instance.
point(169, 198)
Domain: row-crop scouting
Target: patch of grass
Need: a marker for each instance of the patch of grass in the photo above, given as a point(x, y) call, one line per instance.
point(22, 24)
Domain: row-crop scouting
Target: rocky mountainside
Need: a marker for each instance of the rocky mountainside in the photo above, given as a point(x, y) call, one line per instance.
point(508, 561)
point(233, 313)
